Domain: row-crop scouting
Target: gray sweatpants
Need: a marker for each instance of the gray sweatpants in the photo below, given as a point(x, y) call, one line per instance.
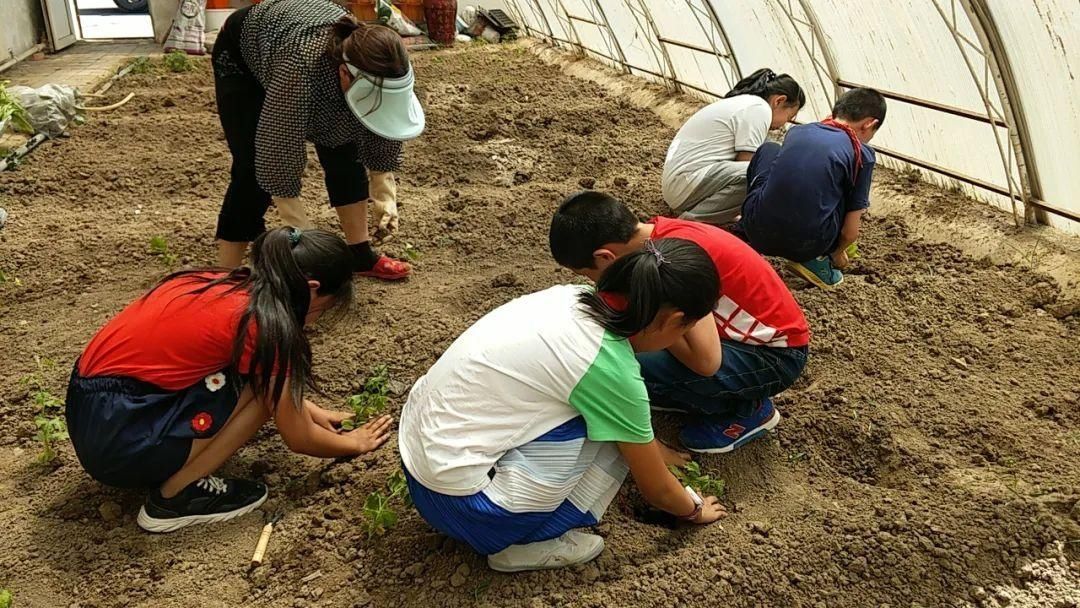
point(719, 196)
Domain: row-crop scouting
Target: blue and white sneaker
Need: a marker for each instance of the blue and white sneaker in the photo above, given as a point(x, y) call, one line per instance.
point(818, 271)
point(721, 435)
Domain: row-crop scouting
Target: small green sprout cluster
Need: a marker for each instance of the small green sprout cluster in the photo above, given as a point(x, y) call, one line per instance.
point(691, 475)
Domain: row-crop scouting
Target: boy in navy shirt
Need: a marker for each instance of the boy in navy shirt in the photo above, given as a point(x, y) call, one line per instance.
point(806, 198)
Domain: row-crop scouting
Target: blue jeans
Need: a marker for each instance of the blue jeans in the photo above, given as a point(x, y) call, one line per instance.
point(747, 375)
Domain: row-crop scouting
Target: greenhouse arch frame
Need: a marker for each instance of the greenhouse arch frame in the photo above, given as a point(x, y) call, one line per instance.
point(980, 92)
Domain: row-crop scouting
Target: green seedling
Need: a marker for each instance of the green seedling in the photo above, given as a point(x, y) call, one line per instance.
point(141, 65)
point(160, 247)
point(50, 430)
point(378, 516)
point(178, 61)
point(412, 253)
point(481, 589)
point(691, 475)
point(371, 400)
point(9, 279)
point(39, 394)
point(399, 488)
point(49, 418)
point(11, 110)
point(794, 457)
point(5, 598)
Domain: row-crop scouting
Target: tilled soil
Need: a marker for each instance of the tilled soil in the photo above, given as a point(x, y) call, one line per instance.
point(929, 453)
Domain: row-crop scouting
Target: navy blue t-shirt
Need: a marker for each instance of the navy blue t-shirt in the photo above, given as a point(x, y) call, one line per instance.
point(796, 206)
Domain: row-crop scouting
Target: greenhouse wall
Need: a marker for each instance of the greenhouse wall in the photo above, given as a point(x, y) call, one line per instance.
point(984, 95)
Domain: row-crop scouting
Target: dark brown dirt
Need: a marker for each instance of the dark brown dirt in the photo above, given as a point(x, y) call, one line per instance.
point(929, 452)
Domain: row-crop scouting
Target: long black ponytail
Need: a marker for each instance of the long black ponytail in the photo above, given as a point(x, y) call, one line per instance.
point(282, 262)
point(668, 272)
point(765, 83)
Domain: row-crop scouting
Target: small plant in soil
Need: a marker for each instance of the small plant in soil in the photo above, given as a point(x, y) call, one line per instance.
point(9, 279)
point(141, 65)
point(50, 430)
point(5, 598)
point(379, 515)
point(691, 475)
point(49, 419)
point(371, 400)
point(160, 247)
point(178, 61)
point(399, 488)
point(412, 253)
point(13, 112)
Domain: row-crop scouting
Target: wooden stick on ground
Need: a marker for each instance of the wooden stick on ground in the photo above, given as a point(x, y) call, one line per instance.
point(106, 108)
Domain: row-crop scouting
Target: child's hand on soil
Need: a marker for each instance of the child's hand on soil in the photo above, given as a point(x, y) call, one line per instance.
point(673, 457)
point(328, 419)
point(711, 511)
point(371, 435)
point(840, 259)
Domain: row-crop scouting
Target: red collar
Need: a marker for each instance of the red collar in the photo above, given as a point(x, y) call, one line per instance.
point(856, 144)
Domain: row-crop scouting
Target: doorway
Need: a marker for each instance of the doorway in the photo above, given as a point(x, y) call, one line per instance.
point(113, 19)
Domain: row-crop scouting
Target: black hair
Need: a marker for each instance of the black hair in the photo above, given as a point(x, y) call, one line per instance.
point(858, 104)
point(765, 83)
point(282, 262)
point(668, 272)
point(585, 222)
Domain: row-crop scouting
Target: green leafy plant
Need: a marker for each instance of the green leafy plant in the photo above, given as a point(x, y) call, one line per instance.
point(178, 61)
point(141, 65)
point(50, 430)
point(481, 589)
point(5, 598)
point(378, 516)
point(6, 278)
point(399, 487)
point(160, 247)
point(12, 110)
point(691, 475)
point(49, 419)
point(412, 253)
point(371, 400)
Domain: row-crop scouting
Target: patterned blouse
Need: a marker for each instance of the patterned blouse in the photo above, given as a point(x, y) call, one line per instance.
point(284, 43)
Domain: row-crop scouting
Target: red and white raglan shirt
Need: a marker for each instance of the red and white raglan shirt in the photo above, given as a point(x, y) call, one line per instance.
point(755, 306)
point(172, 338)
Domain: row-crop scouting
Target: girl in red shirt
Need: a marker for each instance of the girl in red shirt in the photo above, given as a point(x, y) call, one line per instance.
point(183, 377)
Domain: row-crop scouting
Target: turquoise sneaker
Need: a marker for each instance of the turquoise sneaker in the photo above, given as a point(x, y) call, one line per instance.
point(818, 271)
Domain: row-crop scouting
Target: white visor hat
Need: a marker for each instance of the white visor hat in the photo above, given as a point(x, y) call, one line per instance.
point(386, 106)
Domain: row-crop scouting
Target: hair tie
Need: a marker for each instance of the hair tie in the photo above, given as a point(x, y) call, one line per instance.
point(650, 246)
point(294, 236)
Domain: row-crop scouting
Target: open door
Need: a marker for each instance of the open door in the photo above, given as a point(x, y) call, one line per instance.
point(60, 23)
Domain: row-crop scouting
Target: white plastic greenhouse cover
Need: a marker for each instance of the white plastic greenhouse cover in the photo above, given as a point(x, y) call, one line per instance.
point(983, 94)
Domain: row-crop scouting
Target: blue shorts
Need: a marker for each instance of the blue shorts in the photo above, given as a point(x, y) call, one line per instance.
point(132, 434)
point(540, 490)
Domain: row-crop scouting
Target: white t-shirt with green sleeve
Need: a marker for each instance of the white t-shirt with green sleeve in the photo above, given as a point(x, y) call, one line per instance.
point(520, 371)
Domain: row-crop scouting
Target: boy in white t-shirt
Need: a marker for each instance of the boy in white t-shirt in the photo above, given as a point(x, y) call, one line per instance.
point(705, 170)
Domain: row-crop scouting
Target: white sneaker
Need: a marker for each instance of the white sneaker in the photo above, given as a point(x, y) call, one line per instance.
point(568, 550)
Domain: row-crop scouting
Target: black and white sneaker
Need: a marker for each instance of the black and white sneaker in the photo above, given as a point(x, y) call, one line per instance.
point(209, 500)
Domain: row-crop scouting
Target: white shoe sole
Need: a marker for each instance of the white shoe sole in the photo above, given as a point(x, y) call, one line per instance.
point(172, 524)
point(769, 425)
point(527, 567)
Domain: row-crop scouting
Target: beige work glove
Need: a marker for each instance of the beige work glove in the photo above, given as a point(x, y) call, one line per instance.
point(383, 191)
point(291, 211)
